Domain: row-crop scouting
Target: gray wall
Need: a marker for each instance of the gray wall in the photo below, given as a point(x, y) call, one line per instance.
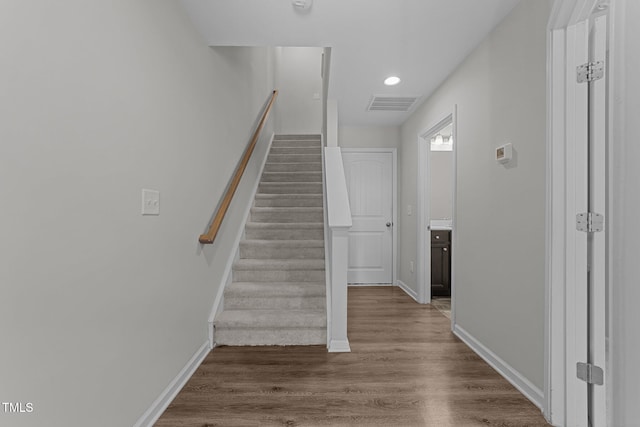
point(102, 307)
point(499, 262)
point(368, 136)
point(441, 185)
point(298, 78)
point(623, 222)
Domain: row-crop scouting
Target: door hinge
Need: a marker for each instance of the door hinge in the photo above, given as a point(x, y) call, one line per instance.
point(589, 222)
point(590, 71)
point(589, 373)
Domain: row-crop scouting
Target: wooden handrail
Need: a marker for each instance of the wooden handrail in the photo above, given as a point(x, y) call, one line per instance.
point(210, 235)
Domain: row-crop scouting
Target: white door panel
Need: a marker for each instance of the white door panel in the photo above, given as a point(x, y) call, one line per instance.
point(369, 184)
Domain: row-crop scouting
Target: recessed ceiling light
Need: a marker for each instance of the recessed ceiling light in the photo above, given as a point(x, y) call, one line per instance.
point(391, 81)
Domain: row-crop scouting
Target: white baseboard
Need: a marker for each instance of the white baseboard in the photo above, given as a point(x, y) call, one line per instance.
point(228, 269)
point(339, 346)
point(407, 290)
point(355, 285)
point(530, 391)
point(166, 397)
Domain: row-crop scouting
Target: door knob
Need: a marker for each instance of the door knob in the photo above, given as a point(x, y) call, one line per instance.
point(388, 224)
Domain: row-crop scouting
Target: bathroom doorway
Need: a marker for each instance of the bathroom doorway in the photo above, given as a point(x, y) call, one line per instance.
point(436, 214)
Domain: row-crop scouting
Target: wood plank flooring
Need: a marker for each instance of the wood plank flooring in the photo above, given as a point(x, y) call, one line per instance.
point(406, 369)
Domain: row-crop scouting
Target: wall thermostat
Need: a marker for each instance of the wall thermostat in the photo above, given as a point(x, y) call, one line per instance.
point(504, 153)
point(302, 4)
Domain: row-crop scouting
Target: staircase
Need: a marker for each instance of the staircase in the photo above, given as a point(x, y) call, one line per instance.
point(278, 292)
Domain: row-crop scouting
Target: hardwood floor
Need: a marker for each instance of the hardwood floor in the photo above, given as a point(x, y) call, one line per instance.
point(406, 369)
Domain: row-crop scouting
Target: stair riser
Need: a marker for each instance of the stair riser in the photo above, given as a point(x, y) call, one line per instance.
point(277, 303)
point(283, 202)
point(296, 150)
point(278, 275)
point(248, 251)
point(276, 234)
point(286, 216)
point(293, 167)
point(266, 336)
point(297, 143)
point(294, 158)
point(297, 137)
point(290, 188)
point(292, 177)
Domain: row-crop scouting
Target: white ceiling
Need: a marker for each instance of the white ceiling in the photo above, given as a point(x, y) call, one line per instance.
point(421, 41)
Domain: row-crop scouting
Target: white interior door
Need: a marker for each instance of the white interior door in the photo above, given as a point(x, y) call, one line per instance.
point(369, 178)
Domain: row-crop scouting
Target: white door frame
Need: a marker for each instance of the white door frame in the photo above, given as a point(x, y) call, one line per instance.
point(394, 197)
point(565, 288)
point(423, 209)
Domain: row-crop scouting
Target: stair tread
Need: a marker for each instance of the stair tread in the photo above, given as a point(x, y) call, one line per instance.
point(265, 319)
point(275, 289)
point(285, 225)
point(306, 243)
point(304, 136)
point(287, 209)
point(279, 264)
point(284, 196)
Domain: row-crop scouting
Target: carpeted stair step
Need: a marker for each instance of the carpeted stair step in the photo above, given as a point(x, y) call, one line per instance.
point(296, 143)
point(284, 231)
point(290, 188)
point(306, 176)
point(286, 270)
point(294, 167)
point(275, 296)
point(294, 158)
point(286, 214)
point(231, 332)
point(294, 150)
point(292, 200)
point(297, 137)
point(282, 249)
point(271, 327)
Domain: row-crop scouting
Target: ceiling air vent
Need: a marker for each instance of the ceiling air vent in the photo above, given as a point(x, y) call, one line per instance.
point(392, 103)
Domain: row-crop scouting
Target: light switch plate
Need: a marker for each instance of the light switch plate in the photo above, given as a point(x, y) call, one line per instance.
point(150, 202)
point(504, 153)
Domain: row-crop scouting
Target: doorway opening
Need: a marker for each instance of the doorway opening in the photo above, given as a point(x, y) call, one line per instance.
point(436, 215)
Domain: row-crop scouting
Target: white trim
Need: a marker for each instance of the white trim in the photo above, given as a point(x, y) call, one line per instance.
point(394, 197)
point(530, 391)
point(407, 290)
point(339, 346)
point(565, 398)
point(159, 405)
point(327, 252)
point(555, 247)
point(357, 285)
point(617, 114)
point(235, 255)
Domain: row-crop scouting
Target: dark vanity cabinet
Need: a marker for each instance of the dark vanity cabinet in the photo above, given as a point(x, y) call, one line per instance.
point(441, 262)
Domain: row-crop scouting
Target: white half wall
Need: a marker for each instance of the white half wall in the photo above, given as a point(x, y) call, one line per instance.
point(299, 80)
point(102, 307)
point(499, 250)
